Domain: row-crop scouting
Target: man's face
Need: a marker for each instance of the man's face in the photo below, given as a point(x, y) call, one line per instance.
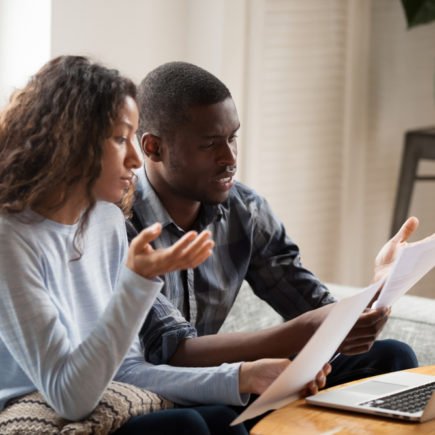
point(200, 158)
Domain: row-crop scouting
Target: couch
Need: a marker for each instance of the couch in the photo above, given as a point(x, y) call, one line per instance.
point(412, 319)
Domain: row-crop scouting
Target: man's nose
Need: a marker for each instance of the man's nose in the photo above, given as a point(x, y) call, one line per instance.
point(228, 156)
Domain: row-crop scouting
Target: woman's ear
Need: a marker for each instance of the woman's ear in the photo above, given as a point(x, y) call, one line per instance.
point(151, 146)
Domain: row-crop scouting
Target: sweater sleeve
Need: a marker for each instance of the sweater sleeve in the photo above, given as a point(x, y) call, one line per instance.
point(71, 377)
point(186, 385)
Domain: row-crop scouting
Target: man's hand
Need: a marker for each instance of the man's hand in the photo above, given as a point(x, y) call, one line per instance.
point(188, 252)
point(256, 376)
point(389, 251)
point(362, 336)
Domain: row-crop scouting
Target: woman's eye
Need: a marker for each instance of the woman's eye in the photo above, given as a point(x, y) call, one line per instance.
point(120, 140)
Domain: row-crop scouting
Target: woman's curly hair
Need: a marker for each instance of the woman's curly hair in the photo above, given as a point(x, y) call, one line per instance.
point(52, 132)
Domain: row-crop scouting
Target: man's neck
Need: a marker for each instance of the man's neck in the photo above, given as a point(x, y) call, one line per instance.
point(184, 212)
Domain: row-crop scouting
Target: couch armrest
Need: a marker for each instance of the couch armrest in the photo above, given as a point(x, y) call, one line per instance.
point(412, 321)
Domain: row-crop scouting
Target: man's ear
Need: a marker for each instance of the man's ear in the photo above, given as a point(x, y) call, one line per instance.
point(151, 146)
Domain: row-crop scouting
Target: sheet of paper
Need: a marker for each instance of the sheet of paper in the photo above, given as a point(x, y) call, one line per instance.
point(413, 262)
point(319, 349)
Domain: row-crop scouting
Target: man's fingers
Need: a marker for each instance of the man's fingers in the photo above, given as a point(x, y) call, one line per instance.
point(356, 350)
point(406, 229)
point(365, 332)
point(370, 320)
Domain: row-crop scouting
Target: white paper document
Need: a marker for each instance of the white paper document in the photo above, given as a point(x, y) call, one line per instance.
point(412, 263)
point(319, 349)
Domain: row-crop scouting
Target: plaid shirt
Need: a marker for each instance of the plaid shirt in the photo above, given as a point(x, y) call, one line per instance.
point(250, 244)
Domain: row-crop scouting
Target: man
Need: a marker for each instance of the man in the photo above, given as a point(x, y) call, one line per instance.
point(188, 132)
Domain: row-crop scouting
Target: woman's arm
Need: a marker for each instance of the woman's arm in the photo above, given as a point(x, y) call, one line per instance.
point(70, 365)
point(70, 371)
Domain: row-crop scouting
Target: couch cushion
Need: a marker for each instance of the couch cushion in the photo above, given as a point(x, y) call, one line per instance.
point(250, 313)
point(30, 414)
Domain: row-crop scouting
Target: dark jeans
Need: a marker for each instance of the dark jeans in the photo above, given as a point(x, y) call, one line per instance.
point(201, 420)
point(385, 356)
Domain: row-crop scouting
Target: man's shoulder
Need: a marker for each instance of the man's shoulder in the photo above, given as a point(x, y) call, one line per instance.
point(242, 192)
point(244, 197)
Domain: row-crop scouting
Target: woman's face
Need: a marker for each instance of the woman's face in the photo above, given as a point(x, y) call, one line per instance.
point(120, 155)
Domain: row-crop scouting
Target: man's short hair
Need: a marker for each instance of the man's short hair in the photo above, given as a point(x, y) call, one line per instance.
point(167, 92)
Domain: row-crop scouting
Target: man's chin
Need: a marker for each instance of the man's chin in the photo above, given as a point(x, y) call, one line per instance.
point(216, 199)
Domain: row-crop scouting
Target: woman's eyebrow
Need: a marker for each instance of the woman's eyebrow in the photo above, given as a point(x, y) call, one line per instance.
point(124, 122)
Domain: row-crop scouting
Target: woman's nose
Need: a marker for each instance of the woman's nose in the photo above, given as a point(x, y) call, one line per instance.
point(134, 156)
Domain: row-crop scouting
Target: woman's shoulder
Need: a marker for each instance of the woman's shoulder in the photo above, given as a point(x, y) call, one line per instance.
point(12, 223)
point(106, 211)
point(107, 219)
point(16, 232)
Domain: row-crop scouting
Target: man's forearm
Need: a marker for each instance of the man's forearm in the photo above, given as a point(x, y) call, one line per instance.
point(279, 341)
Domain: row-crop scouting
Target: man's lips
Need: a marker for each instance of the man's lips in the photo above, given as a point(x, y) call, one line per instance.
point(225, 181)
point(227, 175)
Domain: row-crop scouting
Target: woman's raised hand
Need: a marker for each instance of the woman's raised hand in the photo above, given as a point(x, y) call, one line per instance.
point(188, 252)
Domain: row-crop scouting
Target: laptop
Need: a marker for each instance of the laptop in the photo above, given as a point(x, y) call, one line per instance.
point(403, 395)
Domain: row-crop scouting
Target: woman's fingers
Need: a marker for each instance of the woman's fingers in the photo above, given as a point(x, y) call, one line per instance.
point(146, 236)
point(188, 252)
point(191, 250)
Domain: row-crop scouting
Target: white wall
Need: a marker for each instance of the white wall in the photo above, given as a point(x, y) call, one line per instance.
point(24, 41)
point(325, 90)
point(402, 71)
point(333, 85)
point(136, 36)
point(132, 36)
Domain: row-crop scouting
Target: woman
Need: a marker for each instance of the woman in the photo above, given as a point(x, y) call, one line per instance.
point(73, 295)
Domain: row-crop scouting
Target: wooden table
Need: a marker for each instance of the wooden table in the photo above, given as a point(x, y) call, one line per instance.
point(299, 418)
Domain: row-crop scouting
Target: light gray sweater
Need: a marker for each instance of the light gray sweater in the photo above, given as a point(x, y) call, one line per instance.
point(67, 328)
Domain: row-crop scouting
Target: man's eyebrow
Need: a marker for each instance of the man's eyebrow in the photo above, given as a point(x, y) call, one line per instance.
point(212, 136)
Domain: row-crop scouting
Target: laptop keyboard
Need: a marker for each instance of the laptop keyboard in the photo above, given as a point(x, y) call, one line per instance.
point(412, 400)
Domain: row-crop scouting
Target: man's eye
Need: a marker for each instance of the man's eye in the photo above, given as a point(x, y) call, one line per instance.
point(208, 144)
point(233, 138)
